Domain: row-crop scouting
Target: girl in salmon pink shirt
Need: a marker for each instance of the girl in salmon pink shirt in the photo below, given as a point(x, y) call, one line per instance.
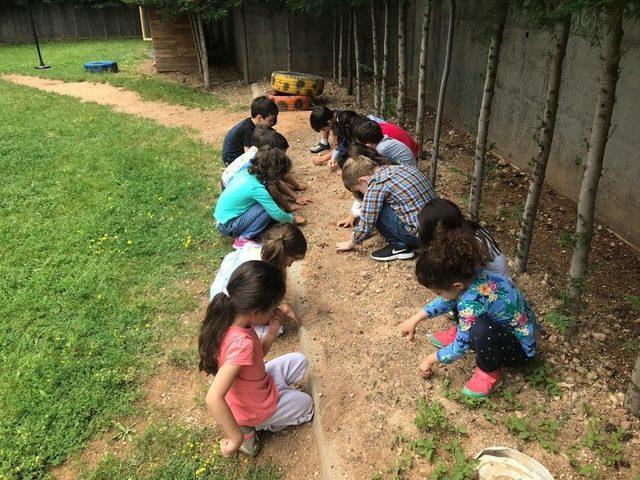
point(248, 394)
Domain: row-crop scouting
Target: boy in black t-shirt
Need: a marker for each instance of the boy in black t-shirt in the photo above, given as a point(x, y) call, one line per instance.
point(264, 111)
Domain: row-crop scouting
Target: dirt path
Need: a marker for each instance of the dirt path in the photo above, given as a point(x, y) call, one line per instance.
point(210, 125)
point(364, 379)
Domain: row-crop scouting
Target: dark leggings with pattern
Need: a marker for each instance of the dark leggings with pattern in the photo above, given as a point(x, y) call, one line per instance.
point(495, 346)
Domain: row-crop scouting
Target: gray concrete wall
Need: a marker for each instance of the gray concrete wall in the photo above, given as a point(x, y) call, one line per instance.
point(519, 100)
point(267, 41)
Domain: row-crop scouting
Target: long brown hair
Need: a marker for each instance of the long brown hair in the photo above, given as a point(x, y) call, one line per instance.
point(452, 256)
point(254, 285)
point(283, 241)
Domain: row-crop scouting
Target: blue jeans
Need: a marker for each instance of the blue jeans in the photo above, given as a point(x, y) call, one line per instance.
point(393, 230)
point(248, 225)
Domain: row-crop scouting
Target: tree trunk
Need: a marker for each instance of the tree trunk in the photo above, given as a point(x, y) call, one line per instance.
point(402, 61)
point(632, 402)
point(341, 52)
point(435, 152)
point(196, 40)
point(561, 38)
point(335, 49)
point(289, 52)
point(356, 47)
point(607, 82)
point(493, 58)
point(422, 78)
point(203, 49)
point(349, 54)
point(376, 60)
point(385, 61)
point(245, 49)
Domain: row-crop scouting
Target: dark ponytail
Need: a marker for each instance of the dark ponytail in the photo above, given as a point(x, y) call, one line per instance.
point(283, 241)
point(254, 285)
point(452, 256)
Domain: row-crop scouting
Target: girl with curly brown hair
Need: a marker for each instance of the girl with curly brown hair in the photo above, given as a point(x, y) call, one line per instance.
point(246, 208)
point(494, 318)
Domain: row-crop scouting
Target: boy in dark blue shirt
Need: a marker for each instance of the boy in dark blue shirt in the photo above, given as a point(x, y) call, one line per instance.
point(264, 111)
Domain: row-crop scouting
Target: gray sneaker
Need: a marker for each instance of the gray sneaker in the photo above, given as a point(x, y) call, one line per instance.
point(251, 445)
point(320, 147)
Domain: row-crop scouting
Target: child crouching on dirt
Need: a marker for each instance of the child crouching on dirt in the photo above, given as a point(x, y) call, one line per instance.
point(392, 196)
point(282, 245)
point(245, 208)
point(445, 213)
point(494, 317)
point(268, 137)
point(246, 394)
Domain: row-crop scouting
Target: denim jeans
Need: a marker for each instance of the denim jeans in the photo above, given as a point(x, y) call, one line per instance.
point(248, 225)
point(393, 230)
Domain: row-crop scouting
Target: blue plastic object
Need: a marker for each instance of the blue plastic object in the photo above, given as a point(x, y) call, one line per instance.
point(101, 66)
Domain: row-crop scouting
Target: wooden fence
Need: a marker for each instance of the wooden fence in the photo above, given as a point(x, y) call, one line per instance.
point(55, 21)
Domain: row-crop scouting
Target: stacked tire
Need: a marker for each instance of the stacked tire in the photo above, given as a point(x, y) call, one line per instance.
point(293, 91)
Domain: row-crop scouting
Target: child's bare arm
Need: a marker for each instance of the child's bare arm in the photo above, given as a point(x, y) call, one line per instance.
point(274, 326)
point(289, 178)
point(285, 189)
point(221, 412)
point(274, 191)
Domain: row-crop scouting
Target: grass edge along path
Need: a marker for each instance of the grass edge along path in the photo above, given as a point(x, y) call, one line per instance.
point(67, 60)
point(104, 216)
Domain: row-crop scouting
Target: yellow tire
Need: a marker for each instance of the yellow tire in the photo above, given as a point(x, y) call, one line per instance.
point(294, 83)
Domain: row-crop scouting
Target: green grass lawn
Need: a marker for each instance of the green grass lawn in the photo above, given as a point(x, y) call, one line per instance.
point(67, 60)
point(104, 216)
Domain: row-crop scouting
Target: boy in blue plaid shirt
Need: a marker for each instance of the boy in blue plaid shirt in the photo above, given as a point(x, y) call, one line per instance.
point(392, 196)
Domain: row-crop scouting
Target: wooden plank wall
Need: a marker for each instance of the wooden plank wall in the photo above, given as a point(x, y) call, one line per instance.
point(173, 44)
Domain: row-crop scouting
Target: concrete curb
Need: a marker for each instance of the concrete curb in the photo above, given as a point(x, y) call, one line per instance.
point(328, 459)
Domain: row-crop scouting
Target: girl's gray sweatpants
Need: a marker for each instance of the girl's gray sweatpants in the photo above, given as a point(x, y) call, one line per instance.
point(294, 407)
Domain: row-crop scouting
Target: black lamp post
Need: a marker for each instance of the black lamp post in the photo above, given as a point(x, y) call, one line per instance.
point(42, 66)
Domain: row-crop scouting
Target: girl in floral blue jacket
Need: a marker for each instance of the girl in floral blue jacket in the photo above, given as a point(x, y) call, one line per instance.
point(495, 319)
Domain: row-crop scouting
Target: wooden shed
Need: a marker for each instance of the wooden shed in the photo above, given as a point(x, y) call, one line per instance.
point(173, 43)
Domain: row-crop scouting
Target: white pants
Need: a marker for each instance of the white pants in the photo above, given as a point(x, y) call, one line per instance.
point(294, 407)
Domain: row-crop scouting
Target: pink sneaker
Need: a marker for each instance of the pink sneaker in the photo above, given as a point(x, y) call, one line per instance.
point(241, 242)
point(445, 337)
point(482, 383)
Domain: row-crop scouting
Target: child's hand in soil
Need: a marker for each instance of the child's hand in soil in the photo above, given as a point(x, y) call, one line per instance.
point(348, 222)
point(229, 446)
point(425, 369)
point(345, 246)
point(299, 220)
point(300, 200)
point(320, 160)
point(408, 329)
point(294, 206)
point(299, 186)
point(288, 312)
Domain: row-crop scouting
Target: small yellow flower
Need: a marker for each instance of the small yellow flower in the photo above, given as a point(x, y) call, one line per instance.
point(129, 242)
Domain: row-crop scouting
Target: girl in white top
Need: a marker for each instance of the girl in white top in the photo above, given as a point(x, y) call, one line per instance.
point(283, 244)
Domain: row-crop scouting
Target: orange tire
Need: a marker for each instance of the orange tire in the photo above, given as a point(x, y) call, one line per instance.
point(290, 103)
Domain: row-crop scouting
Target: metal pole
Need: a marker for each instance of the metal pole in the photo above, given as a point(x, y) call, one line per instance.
point(42, 66)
